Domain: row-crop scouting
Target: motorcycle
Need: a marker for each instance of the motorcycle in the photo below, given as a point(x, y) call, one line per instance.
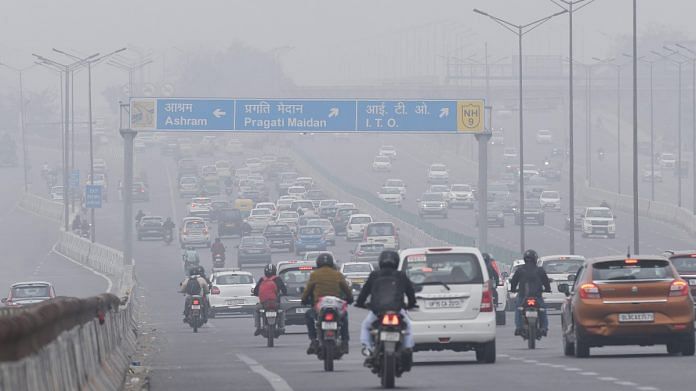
point(387, 360)
point(329, 312)
point(218, 260)
point(195, 317)
point(531, 330)
point(270, 318)
point(168, 237)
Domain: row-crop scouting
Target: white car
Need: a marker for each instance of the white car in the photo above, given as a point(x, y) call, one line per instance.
point(598, 221)
point(224, 169)
point(356, 226)
point(200, 207)
point(390, 195)
point(397, 183)
point(188, 186)
point(550, 199)
point(443, 190)
point(456, 301)
point(268, 205)
point(297, 192)
point(305, 181)
point(284, 204)
point(381, 163)
point(209, 173)
point(327, 203)
point(559, 268)
point(388, 151)
point(288, 217)
point(461, 195)
point(194, 231)
point(667, 160)
point(259, 218)
point(438, 173)
point(231, 292)
point(385, 233)
point(543, 136)
point(306, 206)
point(329, 231)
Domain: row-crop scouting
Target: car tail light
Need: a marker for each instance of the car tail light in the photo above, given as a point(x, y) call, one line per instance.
point(329, 316)
point(678, 288)
point(390, 319)
point(486, 300)
point(196, 302)
point(589, 291)
point(215, 291)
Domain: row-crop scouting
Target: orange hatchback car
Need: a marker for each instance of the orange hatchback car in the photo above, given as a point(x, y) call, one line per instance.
point(627, 301)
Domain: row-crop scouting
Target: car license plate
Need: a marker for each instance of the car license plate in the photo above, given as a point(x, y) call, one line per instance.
point(692, 282)
point(531, 314)
point(301, 310)
point(271, 314)
point(329, 325)
point(445, 303)
point(637, 317)
point(389, 336)
point(254, 251)
point(195, 307)
point(235, 302)
point(278, 242)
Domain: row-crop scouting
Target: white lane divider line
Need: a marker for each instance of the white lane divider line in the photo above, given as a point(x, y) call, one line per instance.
point(625, 383)
point(109, 283)
point(648, 389)
point(589, 373)
point(607, 378)
point(276, 382)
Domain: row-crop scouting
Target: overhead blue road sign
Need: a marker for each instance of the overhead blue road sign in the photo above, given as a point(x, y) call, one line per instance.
point(74, 182)
point(307, 115)
point(93, 196)
point(295, 115)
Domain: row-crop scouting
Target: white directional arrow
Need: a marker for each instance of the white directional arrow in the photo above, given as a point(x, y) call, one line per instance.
point(444, 112)
point(333, 112)
point(219, 113)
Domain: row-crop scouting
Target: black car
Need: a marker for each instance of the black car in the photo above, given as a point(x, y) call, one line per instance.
point(295, 275)
point(211, 189)
point(280, 236)
point(532, 212)
point(230, 222)
point(495, 216)
point(253, 195)
point(253, 249)
point(150, 227)
point(217, 206)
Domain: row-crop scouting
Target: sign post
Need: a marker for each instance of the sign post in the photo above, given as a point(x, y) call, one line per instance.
point(93, 196)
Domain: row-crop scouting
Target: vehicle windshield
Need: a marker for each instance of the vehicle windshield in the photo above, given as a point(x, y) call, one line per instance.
point(685, 265)
point(319, 222)
point(30, 291)
point(382, 159)
point(394, 183)
point(222, 165)
point(195, 225)
point(360, 220)
point(253, 242)
point(303, 205)
point(600, 213)
point(390, 190)
point(296, 190)
point(462, 188)
point(151, 220)
point(437, 167)
point(187, 180)
point(296, 276)
point(380, 230)
point(288, 215)
point(357, 268)
point(631, 269)
point(566, 266)
point(550, 194)
point(234, 279)
point(443, 268)
point(432, 197)
point(311, 231)
point(328, 203)
point(260, 212)
point(277, 228)
point(230, 214)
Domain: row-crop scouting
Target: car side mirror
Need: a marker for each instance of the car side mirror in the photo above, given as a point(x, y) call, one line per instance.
point(572, 277)
point(564, 288)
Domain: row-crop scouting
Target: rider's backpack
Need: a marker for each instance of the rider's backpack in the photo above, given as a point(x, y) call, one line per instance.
point(268, 290)
point(193, 287)
point(387, 293)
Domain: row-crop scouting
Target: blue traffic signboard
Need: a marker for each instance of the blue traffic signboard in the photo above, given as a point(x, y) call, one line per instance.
point(74, 182)
point(93, 196)
point(308, 115)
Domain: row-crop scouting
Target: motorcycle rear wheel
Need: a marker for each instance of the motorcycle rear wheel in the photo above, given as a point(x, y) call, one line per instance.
point(531, 334)
point(270, 334)
point(388, 370)
point(329, 352)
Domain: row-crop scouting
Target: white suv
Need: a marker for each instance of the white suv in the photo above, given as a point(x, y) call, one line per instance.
point(598, 221)
point(455, 298)
point(438, 173)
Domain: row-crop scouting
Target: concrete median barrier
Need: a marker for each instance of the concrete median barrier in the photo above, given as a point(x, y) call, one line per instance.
point(43, 207)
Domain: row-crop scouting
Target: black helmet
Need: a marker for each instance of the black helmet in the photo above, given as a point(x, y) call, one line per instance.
point(200, 270)
point(486, 257)
point(530, 256)
point(193, 271)
point(325, 259)
point(388, 259)
point(269, 270)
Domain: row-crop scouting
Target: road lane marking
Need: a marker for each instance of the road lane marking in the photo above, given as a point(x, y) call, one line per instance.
point(276, 382)
point(589, 373)
point(625, 383)
point(607, 378)
point(109, 283)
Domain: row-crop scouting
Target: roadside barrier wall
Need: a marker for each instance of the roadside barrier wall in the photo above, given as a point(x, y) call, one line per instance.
point(50, 209)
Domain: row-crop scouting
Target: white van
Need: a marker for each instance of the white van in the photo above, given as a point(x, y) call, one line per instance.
point(385, 233)
point(455, 299)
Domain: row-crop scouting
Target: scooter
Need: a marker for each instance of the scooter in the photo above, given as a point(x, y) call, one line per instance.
point(389, 359)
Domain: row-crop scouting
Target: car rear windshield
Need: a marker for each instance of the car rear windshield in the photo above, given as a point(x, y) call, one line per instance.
point(357, 268)
point(25, 292)
point(277, 228)
point(685, 264)
point(461, 188)
point(443, 268)
point(311, 231)
point(234, 279)
point(600, 213)
point(644, 269)
point(372, 248)
point(569, 266)
point(230, 214)
point(360, 220)
point(195, 225)
point(296, 276)
point(380, 230)
point(249, 242)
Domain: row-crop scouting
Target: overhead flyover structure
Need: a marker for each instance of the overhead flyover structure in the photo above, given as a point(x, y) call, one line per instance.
point(408, 116)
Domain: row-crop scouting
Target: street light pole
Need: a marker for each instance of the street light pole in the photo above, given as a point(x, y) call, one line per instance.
point(693, 124)
point(520, 31)
point(636, 230)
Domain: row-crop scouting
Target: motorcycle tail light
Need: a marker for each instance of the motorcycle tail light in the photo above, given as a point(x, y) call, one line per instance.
point(215, 291)
point(531, 302)
point(329, 316)
point(390, 319)
point(486, 300)
point(678, 288)
point(589, 291)
point(196, 302)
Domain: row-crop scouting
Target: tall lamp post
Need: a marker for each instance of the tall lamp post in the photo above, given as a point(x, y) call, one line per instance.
point(679, 64)
point(128, 67)
point(568, 7)
point(22, 119)
point(520, 30)
point(693, 124)
point(89, 63)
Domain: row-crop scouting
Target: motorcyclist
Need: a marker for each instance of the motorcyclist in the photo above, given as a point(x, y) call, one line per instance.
point(325, 281)
point(200, 287)
point(190, 258)
point(76, 223)
point(218, 248)
point(269, 277)
point(139, 216)
point(386, 288)
point(531, 280)
point(84, 227)
point(168, 226)
point(493, 274)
